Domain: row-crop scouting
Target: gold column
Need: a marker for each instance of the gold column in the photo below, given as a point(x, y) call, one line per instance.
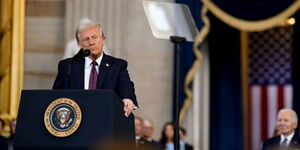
point(244, 75)
point(11, 56)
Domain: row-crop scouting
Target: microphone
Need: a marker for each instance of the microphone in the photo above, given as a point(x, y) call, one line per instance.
point(87, 52)
point(81, 54)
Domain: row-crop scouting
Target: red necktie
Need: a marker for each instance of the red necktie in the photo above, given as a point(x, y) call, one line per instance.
point(93, 76)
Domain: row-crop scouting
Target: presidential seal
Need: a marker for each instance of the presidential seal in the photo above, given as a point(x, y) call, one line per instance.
point(62, 117)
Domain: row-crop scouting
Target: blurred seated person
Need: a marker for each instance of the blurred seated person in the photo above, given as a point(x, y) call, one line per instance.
point(182, 134)
point(141, 142)
point(12, 127)
point(3, 140)
point(138, 127)
point(287, 122)
point(147, 135)
point(167, 137)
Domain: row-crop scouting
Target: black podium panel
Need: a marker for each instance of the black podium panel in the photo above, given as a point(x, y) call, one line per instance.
point(103, 121)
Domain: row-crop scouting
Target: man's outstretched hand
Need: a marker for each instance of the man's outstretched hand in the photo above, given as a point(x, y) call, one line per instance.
point(128, 106)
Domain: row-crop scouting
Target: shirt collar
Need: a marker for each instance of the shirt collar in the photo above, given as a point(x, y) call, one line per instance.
point(149, 139)
point(88, 60)
point(289, 137)
point(137, 137)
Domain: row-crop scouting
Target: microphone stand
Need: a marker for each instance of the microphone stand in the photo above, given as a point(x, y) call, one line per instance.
point(177, 41)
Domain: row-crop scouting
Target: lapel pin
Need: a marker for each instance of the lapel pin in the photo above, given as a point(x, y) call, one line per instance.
point(107, 65)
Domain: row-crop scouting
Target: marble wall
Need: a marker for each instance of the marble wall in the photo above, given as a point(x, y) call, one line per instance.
point(44, 42)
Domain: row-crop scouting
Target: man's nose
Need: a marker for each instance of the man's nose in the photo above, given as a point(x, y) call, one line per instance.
point(91, 42)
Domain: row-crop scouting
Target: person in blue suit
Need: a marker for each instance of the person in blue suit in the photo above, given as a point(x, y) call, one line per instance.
point(96, 71)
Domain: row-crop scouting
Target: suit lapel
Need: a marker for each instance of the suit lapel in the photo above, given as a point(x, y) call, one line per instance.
point(103, 69)
point(79, 73)
point(277, 141)
point(294, 141)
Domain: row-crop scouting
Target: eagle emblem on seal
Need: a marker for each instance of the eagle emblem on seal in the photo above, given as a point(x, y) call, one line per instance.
point(63, 117)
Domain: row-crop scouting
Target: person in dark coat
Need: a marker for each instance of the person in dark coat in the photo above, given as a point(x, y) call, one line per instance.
point(287, 122)
point(147, 135)
point(97, 70)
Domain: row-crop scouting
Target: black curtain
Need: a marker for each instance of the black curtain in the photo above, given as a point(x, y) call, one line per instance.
point(226, 124)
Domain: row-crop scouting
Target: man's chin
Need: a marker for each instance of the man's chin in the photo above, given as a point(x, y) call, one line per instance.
point(95, 55)
point(286, 133)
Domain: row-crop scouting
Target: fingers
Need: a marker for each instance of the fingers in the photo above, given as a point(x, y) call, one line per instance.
point(125, 106)
point(128, 107)
point(127, 110)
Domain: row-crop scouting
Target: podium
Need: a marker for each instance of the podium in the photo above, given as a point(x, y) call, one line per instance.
point(103, 123)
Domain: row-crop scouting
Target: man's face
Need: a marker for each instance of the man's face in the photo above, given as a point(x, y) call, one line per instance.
point(13, 126)
point(147, 129)
point(181, 135)
point(92, 39)
point(138, 127)
point(285, 122)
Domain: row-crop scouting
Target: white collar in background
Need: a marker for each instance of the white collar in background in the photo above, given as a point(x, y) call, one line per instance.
point(289, 138)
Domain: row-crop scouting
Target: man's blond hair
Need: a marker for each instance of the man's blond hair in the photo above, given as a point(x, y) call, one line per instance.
point(85, 26)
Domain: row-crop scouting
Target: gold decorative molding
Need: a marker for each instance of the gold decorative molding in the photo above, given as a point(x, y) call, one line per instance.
point(5, 55)
point(196, 65)
point(11, 54)
point(247, 25)
point(18, 55)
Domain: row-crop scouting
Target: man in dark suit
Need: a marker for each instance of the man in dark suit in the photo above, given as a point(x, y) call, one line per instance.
point(98, 70)
point(147, 135)
point(287, 122)
point(141, 142)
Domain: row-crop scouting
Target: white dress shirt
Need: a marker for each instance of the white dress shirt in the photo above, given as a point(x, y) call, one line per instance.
point(88, 68)
point(289, 138)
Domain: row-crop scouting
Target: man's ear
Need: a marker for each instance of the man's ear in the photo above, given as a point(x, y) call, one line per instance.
point(78, 43)
point(295, 125)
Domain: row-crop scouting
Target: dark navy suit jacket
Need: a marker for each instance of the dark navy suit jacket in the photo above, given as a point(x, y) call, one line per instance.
point(113, 74)
point(274, 143)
